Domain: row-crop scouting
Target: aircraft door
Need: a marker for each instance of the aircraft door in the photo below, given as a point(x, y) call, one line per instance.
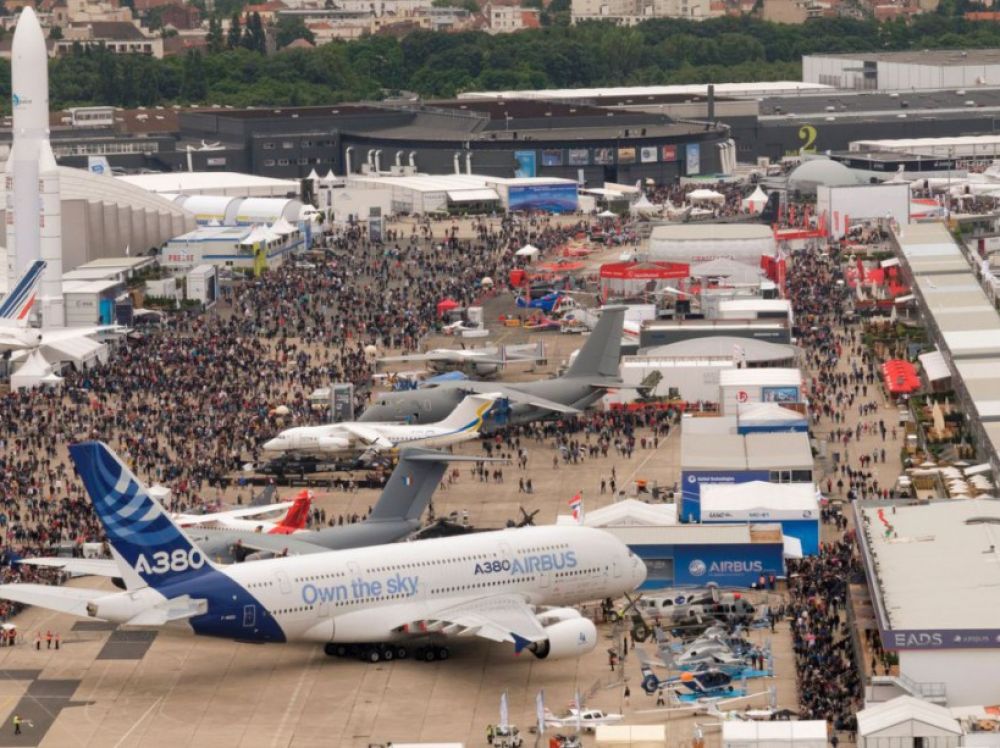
point(284, 583)
point(249, 616)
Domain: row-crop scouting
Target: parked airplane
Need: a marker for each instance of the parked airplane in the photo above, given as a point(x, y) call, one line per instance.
point(17, 335)
point(586, 720)
point(396, 515)
point(594, 371)
point(480, 361)
point(352, 438)
point(494, 585)
point(236, 519)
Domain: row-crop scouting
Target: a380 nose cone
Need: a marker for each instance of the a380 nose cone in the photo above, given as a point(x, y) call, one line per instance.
point(639, 571)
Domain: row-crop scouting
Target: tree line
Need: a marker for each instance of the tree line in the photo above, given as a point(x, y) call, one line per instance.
point(237, 71)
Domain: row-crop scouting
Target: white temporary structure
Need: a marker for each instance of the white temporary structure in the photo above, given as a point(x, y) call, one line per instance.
point(31, 373)
point(705, 196)
point(905, 722)
point(810, 733)
point(528, 250)
point(755, 202)
point(627, 513)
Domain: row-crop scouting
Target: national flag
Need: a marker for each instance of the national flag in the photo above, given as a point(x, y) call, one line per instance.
point(576, 507)
point(407, 480)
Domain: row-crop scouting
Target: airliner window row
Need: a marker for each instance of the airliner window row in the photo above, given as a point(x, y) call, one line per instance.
point(541, 548)
point(289, 610)
point(317, 577)
point(477, 586)
point(577, 572)
point(436, 562)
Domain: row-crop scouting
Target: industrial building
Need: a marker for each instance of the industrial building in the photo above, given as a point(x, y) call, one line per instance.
point(934, 574)
point(904, 71)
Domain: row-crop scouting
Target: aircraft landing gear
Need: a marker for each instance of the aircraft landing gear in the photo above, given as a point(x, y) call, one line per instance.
point(430, 653)
point(372, 653)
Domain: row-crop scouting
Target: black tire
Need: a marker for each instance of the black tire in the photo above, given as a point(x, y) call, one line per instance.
point(640, 633)
point(330, 650)
point(388, 653)
point(443, 653)
point(401, 653)
point(341, 650)
point(373, 656)
point(430, 655)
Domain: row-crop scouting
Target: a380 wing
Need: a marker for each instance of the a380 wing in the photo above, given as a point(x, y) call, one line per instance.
point(499, 618)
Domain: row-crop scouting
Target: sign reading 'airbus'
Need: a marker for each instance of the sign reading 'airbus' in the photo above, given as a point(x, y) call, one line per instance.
point(941, 639)
point(698, 568)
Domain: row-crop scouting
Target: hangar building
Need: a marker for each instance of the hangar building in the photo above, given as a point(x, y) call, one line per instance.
point(934, 574)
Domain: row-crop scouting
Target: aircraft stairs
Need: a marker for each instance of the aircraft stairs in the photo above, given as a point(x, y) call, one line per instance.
point(885, 687)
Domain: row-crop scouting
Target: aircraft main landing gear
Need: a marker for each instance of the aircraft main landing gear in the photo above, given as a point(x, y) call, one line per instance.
point(372, 653)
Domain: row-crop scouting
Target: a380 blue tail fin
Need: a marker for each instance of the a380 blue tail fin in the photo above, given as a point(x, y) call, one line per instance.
point(141, 532)
point(17, 304)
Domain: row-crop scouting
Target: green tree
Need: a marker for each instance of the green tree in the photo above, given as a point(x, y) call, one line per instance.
point(214, 38)
point(194, 87)
point(235, 32)
point(288, 29)
point(55, 33)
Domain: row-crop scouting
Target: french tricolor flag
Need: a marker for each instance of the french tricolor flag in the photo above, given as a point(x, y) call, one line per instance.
point(576, 507)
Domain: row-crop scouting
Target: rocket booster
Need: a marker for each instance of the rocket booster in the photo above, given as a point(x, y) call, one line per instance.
point(34, 222)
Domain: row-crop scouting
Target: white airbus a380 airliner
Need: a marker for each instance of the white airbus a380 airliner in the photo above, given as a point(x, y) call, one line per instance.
point(505, 586)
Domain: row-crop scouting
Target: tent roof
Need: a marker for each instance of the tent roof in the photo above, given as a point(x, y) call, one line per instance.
point(35, 366)
point(879, 717)
point(934, 365)
point(786, 732)
point(281, 227)
point(79, 350)
point(767, 412)
point(631, 512)
point(790, 497)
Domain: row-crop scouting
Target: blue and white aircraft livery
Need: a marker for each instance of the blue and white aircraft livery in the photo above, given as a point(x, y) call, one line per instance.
point(505, 586)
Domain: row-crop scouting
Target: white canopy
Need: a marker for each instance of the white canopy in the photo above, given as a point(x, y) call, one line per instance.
point(313, 176)
point(632, 513)
point(607, 214)
point(281, 227)
point(935, 366)
point(31, 373)
point(158, 492)
point(767, 413)
point(906, 717)
point(706, 196)
point(257, 235)
point(792, 547)
point(755, 202)
point(723, 267)
point(527, 250)
point(758, 500)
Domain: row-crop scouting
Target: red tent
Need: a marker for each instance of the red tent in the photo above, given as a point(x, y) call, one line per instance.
point(645, 270)
point(900, 377)
point(446, 305)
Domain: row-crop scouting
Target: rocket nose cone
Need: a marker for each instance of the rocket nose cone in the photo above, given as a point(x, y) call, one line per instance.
point(28, 36)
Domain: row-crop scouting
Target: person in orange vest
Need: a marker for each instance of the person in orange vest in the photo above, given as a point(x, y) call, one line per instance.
point(48, 640)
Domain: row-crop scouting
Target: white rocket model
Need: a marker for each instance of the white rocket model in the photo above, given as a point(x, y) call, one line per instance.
point(34, 222)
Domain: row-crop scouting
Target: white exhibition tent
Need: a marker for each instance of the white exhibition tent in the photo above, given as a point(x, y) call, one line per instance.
point(758, 501)
point(706, 196)
point(904, 721)
point(808, 733)
point(528, 250)
point(769, 417)
point(755, 202)
point(631, 513)
point(607, 214)
point(31, 373)
point(935, 366)
point(282, 227)
point(642, 205)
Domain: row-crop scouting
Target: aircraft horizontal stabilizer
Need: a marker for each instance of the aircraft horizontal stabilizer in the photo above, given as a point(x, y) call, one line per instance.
point(175, 609)
point(256, 541)
point(72, 600)
point(516, 397)
point(419, 454)
point(98, 567)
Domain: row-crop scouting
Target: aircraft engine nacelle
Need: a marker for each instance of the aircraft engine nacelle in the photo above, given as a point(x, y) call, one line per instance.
point(556, 615)
point(334, 444)
point(30, 337)
point(570, 638)
point(120, 607)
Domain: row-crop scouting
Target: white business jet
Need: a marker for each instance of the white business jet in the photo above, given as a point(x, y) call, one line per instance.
point(354, 438)
point(505, 586)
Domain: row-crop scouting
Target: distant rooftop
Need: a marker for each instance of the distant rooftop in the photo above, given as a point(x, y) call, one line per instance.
point(939, 565)
point(945, 57)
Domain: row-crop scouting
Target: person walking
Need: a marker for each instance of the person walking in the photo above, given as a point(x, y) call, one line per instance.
point(17, 724)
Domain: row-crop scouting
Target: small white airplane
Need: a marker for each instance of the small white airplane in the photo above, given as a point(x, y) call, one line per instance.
point(587, 720)
point(504, 586)
point(293, 521)
point(480, 361)
point(15, 332)
point(367, 439)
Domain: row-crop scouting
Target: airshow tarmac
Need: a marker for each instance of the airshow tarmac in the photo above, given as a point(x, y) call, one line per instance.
point(111, 688)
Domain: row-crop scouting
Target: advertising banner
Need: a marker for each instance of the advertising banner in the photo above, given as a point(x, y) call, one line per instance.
point(626, 155)
point(726, 565)
point(579, 157)
point(692, 154)
point(779, 394)
point(668, 153)
point(552, 157)
point(692, 480)
point(647, 154)
point(604, 156)
point(551, 198)
point(527, 166)
point(941, 639)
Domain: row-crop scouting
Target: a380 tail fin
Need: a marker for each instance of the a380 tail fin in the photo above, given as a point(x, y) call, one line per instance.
point(144, 537)
point(297, 515)
point(17, 304)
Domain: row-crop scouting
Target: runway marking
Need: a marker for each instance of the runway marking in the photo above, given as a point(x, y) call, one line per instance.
point(294, 698)
point(138, 722)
